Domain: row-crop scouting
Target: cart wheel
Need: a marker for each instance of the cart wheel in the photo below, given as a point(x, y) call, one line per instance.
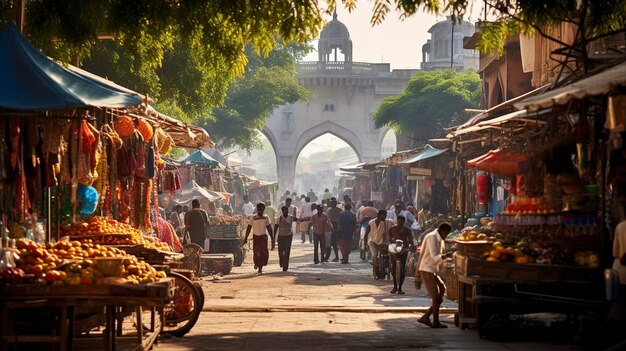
point(200, 292)
point(456, 320)
point(182, 313)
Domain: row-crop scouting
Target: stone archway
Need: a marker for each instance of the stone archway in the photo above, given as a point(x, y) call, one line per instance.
point(328, 128)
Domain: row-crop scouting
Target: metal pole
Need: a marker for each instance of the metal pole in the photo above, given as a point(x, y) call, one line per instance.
point(452, 43)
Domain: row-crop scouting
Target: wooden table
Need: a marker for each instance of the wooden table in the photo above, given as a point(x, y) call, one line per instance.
point(112, 302)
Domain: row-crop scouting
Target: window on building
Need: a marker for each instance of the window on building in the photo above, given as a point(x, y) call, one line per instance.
point(329, 107)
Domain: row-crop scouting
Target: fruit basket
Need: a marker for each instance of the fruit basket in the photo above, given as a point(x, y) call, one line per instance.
point(531, 273)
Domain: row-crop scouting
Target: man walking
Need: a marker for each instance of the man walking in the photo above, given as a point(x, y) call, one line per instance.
point(333, 216)
point(399, 232)
point(430, 254)
point(311, 195)
point(306, 212)
point(366, 213)
point(247, 207)
point(283, 230)
point(259, 224)
point(347, 226)
point(197, 222)
point(321, 225)
point(327, 195)
point(377, 234)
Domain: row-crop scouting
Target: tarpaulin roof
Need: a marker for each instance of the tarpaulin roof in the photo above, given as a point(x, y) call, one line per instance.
point(201, 157)
point(352, 168)
point(498, 161)
point(597, 84)
point(426, 153)
point(192, 191)
point(31, 81)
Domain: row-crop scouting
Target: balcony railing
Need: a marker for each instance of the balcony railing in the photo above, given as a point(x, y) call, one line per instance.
point(309, 68)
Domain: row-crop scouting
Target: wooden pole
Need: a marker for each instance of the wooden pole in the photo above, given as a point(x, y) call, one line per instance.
point(20, 14)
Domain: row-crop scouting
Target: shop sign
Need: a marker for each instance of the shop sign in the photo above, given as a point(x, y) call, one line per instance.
point(420, 171)
point(376, 196)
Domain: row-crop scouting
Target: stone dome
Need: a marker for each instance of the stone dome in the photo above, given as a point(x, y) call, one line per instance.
point(335, 30)
point(335, 37)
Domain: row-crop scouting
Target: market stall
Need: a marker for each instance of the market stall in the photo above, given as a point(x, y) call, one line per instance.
point(74, 145)
point(545, 249)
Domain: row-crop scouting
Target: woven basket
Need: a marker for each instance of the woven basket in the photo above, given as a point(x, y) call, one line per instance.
point(447, 272)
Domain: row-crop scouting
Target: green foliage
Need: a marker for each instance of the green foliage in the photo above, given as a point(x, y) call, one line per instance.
point(600, 17)
point(268, 83)
point(431, 101)
point(183, 50)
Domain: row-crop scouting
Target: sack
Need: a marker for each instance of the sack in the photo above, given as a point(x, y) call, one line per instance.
point(207, 245)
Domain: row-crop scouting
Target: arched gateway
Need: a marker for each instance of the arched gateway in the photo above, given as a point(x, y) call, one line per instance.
point(344, 96)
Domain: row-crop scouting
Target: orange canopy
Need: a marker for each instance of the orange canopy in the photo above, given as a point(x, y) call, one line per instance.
point(498, 161)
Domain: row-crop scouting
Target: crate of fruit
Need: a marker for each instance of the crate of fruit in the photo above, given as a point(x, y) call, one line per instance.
point(224, 231)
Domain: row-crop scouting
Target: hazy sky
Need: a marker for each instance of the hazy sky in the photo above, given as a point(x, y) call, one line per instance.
point(394, 41)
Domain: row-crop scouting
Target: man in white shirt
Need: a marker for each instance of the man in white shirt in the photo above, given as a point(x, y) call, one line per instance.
point(377, 234)
point(304, 222)
point(260, 225)
point(248, 207)
point(430, 254)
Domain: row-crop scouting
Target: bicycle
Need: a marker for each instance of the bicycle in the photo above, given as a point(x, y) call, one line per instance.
point(383, 263)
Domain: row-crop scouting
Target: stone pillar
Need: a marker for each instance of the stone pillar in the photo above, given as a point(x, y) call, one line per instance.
point(286, 173)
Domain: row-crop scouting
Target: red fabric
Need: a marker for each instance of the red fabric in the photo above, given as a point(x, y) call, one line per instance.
point(482, 188)
point(259, 247)
point(498, 162)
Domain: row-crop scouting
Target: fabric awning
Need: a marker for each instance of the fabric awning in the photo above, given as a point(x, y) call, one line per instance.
point(501, 109)
point(426, 153)
point(597, 84)
point(192, 191)
point(498, 161)
point(200, 157)
point(30, 81)
point(352, 168)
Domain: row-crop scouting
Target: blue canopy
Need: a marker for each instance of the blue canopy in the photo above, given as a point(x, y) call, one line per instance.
point(31, 81)
point(426, 153)
point(201, 157)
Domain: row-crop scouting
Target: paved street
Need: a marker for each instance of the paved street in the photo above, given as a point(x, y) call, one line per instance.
point(327, 306)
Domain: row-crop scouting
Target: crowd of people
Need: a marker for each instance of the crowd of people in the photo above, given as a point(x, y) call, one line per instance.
point(333, 227)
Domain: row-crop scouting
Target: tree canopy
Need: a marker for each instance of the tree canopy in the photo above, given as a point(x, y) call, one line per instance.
point(150, 45)
point(431, 101)
point(268, 83)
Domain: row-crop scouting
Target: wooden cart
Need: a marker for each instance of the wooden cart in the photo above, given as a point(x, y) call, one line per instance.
point(487, 288)
point(108, 307)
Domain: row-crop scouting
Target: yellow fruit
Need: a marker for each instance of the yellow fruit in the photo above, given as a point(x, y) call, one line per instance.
point(501, 249)
point(492, 259)
point(497, 243)
point(495, 254)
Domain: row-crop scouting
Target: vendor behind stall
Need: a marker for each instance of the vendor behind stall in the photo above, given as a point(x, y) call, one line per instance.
point(197, 223)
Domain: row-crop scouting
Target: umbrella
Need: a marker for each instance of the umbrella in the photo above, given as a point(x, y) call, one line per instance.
point(192, 191)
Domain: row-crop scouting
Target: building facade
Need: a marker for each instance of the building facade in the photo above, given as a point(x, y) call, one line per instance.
point(344, 94)
point(444, 50)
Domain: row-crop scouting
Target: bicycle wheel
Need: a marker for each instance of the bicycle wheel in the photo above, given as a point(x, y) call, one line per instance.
point(182, 313)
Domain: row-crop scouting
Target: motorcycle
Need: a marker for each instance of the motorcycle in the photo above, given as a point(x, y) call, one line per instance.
point(396, 250)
